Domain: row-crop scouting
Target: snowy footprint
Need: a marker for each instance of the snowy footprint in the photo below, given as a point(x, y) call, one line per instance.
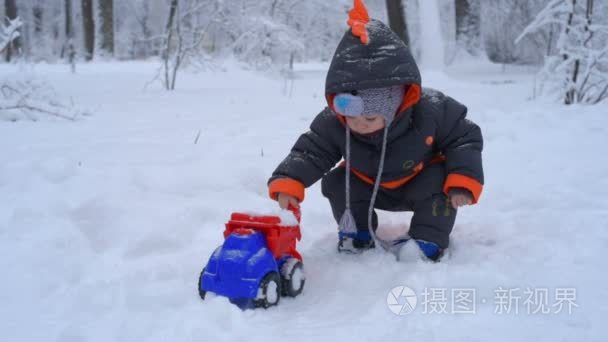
point(409, 252)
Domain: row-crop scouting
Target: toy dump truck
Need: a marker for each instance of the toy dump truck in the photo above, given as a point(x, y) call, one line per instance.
point(258, 262)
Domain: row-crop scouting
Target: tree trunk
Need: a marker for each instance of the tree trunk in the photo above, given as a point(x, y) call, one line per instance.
point(585, 45)
point(38, 13)
point(68, 45)
point(571, 91)
point(589, 18)
point(88, 25)
point(69, 30)
point(273, 8)
point(396, 19)
point(106, 10)
point(468, 24)
point(169, 31)
point(10, 10)
point(146, 29)
point(463, 10)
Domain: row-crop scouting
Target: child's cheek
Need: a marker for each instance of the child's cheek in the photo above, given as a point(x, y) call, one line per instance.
point(352, 124)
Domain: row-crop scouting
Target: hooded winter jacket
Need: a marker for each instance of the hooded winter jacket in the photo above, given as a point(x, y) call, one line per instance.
point(429, 127)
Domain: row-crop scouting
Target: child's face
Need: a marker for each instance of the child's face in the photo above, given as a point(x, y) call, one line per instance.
point(365, 124)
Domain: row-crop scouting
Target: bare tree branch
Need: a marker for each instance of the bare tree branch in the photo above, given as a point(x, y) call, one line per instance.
point(37, 109)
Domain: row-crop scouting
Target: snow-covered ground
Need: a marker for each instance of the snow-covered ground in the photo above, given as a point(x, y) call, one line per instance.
point(106, 222)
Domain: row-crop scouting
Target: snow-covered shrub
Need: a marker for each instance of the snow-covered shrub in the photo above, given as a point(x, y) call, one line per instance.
point(25, 97)
point(578, 69)
point(183, 37)
point(502, 21)
point(267, 43)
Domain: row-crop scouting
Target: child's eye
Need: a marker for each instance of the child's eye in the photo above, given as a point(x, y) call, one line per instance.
point(370, 119)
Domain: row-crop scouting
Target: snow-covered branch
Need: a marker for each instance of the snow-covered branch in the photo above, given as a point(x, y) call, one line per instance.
point(184, 35)
point(578, 69)
point(25, 97)
point(9, 32)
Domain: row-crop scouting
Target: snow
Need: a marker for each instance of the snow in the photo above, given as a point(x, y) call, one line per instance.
point(573, 71)
point(286, 217)
point(26, 96)
point(431, 41)
point(106, 222)
point(410, 252)
point(272, 293)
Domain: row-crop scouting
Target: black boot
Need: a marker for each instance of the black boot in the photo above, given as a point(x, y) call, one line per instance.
point(354, 244)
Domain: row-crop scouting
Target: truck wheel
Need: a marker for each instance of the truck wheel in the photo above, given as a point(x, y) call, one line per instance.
point(269, 291)
point(292, 277)
point(201, 292)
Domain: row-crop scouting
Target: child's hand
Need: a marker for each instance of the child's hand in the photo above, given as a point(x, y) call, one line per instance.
point(460, 197)
point(286, 200)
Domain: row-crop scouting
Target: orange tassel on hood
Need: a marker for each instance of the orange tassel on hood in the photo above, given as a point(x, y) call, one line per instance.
point(358, 18)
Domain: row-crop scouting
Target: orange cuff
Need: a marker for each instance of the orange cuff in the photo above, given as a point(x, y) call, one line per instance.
point(287, 186)
point(455, 180)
